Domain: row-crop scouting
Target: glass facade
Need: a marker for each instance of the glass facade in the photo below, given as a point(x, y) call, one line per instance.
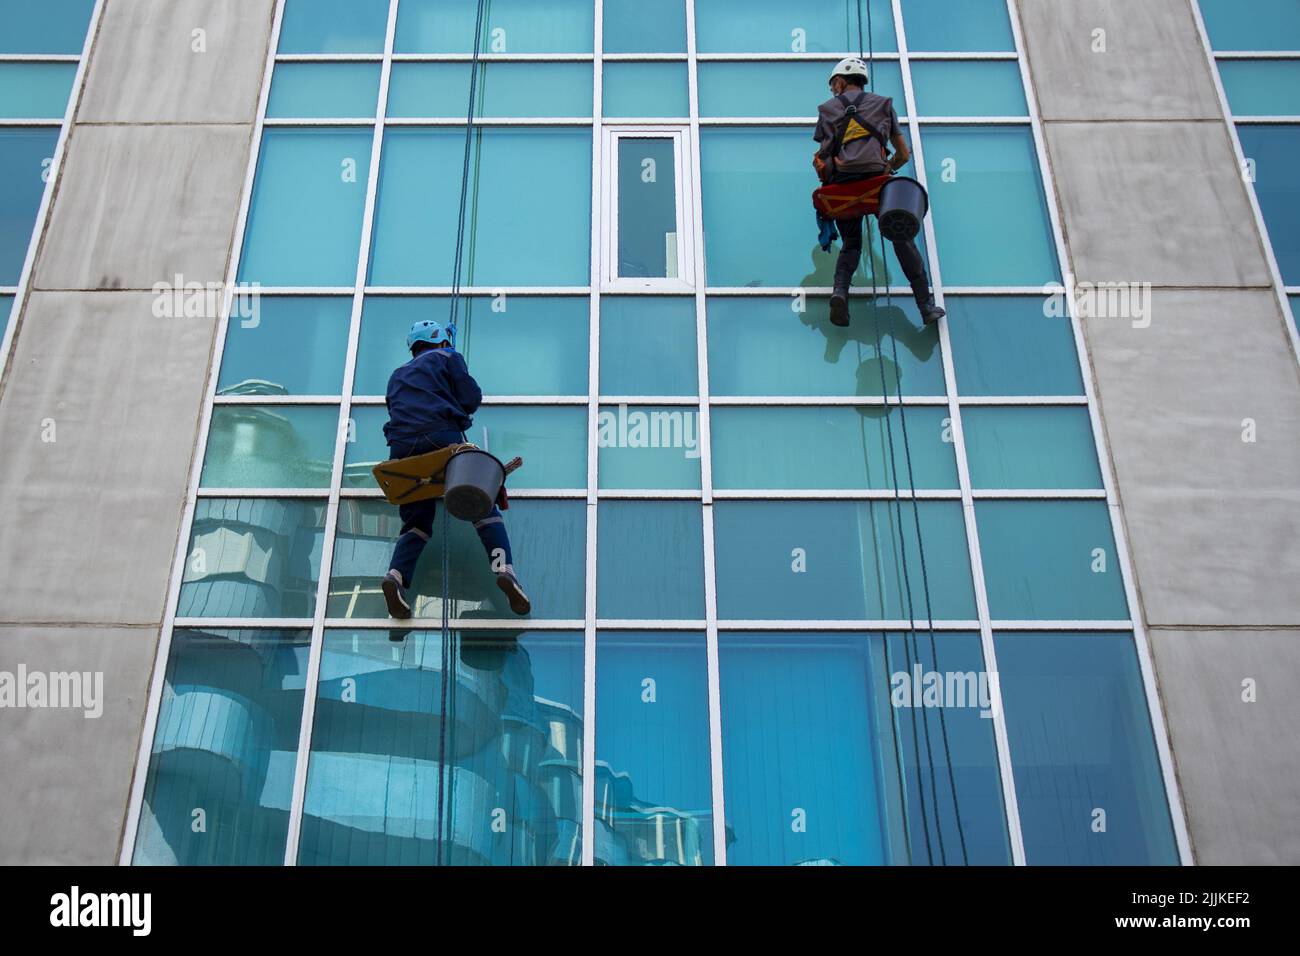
point(775, 564)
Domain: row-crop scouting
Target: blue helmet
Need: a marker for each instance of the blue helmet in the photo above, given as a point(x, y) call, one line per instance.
point(426, 330)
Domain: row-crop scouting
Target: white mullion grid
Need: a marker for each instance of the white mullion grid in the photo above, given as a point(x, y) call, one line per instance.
point(488, 121)
point(1265, 119)
point(520, 494)
point(575, 291)
point(1006, 772)
point(20, 291)
point(819, 401)
point(1274, 269)
point(47, 57)
point(588, 821)
point(719, 817)
point(908, 120)
point(488, 57)
point(154, 702)
point(1253, 54)
point(329, 58)
point(1159, 728)
point(340, 448)
point(315, 121)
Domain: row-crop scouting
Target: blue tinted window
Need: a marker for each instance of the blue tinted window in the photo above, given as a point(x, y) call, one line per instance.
point(253, 557)
point(833, 447)
point(782, 89)
point(226, 744)
point(309, 197)
point(442, 89)
point(1004, 345)
point(511, 26)
point(780, 26)
point(968, 88)
point(334, 26)
point(35, 90)
point(633, 26)
point(1050, 560)
point(642, 446)
point(23, 157)
point(547, 538)
point(977, 26)
point(839, 560)
point(1030, 447)
point(1273, 150)
point(1081, 745)
point(1270, 24)
point(270, 446)
point(1262, 87)
point(514, 345)
point(989, 211)
point(50, 26)
point(650, 560)
point(511, 749)
point(6, 307)
point(828, 757)
point(309, 90)
point(644, 89)
point(636, 328)
point(780, 346)
point(653, 792)
point(1295, 310)
point(549, 238)
point(291, 346)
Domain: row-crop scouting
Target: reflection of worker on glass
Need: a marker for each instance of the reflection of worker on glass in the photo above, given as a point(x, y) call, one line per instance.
point(430, 400)
point(855, 128)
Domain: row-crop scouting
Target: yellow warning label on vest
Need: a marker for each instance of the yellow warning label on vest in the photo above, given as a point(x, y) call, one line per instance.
point(854, 130)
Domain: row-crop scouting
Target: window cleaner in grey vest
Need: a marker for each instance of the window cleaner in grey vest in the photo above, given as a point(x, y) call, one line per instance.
point(854, 129)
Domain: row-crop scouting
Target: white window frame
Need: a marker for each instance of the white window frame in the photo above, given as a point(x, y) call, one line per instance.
point(611, 281)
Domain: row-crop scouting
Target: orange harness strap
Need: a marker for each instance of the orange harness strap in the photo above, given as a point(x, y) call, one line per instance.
point(849, 200)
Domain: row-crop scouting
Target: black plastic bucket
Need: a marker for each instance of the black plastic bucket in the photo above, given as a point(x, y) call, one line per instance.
point(473, 480)
point(903, 205)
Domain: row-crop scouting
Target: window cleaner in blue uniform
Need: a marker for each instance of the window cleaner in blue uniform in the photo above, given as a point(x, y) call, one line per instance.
point(854, 129)
point(430, 403)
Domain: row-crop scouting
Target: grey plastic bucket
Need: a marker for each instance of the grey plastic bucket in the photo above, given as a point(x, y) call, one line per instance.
point(473, 480)
point(903, 205)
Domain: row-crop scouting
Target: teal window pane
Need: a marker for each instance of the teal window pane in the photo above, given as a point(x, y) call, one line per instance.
point(650, 560)
point(975, 26)
point(1081, 740)
point(1295, 311)
point(442, 89)
point(808, 729)
point(35, 90)
point(780, 26)
point(759, 225)
point(226, 742)
point(782, 89)
point(989, 210)
point(511, 26)
point(270, 446)
point(304, 224)
point(647, 345)
point(1004, 345)
point(1050, 561)
point(334, 26)
point(840, 560)
point(1270, 24)
point(23, 157)
point(6, 307)
point(755, 348)
point(968, 88)
point(1273, 149)
point(514, 345)
point(508, 764)
point(552, 440)
point(834, 447)
point(647, 208)
point(1262, 87)
point(644, 89)
point(1029, 447)
point(50, 26)
point(647, 447)
point(548, 241)
point(311, 90)
point(291, 346)
point(253, 557)
point(654, 795)
point(548, 539)
point(634, 26)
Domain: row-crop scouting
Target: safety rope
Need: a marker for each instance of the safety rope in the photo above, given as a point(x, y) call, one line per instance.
point(911, 650)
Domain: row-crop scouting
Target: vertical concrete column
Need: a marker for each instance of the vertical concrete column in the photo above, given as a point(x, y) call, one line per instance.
point(1200, 398)
point(100, 406)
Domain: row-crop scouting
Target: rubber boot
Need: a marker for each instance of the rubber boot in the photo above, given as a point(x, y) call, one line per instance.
point(840, 306)
point(930, 313)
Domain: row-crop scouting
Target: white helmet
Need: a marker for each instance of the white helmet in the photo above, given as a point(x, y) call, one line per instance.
point(851, 66)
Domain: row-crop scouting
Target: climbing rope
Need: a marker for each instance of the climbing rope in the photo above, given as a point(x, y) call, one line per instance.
point(910, 647)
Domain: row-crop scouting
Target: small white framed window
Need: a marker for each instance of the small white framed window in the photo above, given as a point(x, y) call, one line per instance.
point(647, 209)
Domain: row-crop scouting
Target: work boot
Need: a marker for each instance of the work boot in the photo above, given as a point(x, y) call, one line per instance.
point(930, 313)
point(514, 591)
point(840, 308)
point(393, 596)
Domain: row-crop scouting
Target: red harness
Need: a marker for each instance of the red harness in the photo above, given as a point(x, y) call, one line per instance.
point(850, 200)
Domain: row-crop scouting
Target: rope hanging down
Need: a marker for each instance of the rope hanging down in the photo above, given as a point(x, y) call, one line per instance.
point(911, 652)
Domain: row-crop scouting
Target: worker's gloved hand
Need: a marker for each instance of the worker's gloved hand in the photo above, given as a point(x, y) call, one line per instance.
point(820, 165)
